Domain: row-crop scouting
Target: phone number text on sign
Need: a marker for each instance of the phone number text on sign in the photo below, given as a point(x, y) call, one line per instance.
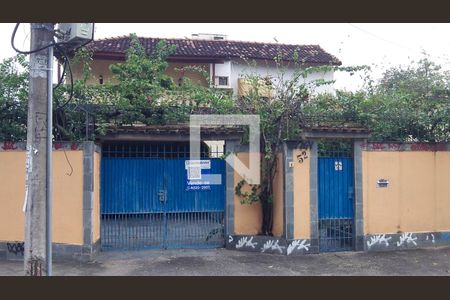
point(194, 175)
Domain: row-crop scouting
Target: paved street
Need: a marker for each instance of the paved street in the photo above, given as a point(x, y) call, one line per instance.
point(226, 262)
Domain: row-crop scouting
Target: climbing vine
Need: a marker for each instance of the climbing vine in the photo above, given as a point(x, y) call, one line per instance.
point(407, 104)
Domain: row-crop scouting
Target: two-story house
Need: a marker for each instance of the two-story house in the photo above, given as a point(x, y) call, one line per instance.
point(152, 195)
point(225, 61)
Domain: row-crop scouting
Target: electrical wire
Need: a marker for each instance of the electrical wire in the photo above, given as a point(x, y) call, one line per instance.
point(397, 44)
point(61, 78)
point(13, 36)
point(66, 63)
point(58, 46)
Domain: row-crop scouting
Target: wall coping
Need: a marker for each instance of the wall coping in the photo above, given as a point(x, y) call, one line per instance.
point(395, 146)
point(7, 146)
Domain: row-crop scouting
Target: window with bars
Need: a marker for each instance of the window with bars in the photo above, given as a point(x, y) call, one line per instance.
point(165, 150)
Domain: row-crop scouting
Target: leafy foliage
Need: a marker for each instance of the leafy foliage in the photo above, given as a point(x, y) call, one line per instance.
point(407, 104)
point(140, 93)
point(13, 98)
point(280, 103)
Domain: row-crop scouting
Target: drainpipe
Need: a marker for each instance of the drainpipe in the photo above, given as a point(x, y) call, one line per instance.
point(214, 74)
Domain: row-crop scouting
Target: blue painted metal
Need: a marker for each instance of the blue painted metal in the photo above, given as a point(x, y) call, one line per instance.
point(144, 204)
point(336, 203)
point(335, 187)
point(131, 185)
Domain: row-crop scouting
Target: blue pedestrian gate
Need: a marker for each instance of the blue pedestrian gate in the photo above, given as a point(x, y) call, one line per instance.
point(146, 201)
point(336, 201)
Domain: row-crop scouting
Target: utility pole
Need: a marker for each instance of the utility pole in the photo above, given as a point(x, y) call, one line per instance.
point(37, 255)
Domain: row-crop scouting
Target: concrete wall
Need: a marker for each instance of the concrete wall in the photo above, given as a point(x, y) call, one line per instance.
point(101, 67)
point(68, 194)
point(278, 199)
point(173, 70)
point(247, 217)
point(417, 198)
point(301, 182)
point(236, 69)
point(269, 68)
point(412, 211)
point(12, 194)
point(96, 206)
point(98, 67)
point(67, 197)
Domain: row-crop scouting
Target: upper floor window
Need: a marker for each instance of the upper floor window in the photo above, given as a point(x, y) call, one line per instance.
point(223, 80)
point(268, 80)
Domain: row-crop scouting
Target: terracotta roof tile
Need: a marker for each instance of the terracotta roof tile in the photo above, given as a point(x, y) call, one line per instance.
point(223, 49)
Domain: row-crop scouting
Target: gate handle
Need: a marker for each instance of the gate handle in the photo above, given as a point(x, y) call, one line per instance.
point(162, 195)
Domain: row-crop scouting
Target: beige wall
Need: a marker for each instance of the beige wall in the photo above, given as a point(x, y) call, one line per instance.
point(67, 197)
point(101, 67)
point(417, 198)
point(196, 77)
point(12, 194)
point(278, 198)
point(96, 205)
point(247, 217)
point(302, 227)
point(98, 67)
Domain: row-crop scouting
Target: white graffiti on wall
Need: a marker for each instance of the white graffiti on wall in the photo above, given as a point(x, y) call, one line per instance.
point(432, 238)
point(245, 242)
point(230, 239)
point(272, 245)
point(378, 239)
point(407, 238)
point(298, 244)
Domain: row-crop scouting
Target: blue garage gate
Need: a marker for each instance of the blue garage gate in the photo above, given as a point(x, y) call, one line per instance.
point(146, 201)
point(336, 199)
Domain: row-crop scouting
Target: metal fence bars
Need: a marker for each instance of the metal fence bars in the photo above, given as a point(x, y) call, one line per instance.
point(336, 197)
point(149, 201)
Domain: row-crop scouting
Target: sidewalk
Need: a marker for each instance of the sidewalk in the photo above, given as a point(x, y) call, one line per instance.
point(225, 262)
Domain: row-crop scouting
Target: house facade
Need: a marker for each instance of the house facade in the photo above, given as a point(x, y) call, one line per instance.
point(137, 188)
point(226, 62)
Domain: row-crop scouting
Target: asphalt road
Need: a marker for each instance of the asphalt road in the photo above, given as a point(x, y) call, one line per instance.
point(223, 262)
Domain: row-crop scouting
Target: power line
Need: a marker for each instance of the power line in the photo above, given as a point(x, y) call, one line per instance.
point(398, 45)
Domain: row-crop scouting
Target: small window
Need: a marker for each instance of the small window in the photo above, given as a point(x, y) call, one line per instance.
point(223, 80)
point(268, 81)
point(218, 38)
point(180, 81)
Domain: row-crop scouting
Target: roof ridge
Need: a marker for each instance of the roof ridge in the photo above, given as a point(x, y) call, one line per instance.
point(112, 38)
point(207, 40)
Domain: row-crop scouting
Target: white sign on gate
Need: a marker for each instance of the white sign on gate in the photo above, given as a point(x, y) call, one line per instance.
point(194, 168)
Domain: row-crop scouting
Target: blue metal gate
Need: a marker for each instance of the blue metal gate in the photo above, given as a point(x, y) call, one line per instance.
point(336, 201)
point(147, 203)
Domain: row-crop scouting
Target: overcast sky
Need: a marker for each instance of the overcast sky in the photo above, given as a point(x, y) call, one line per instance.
point(377, 45)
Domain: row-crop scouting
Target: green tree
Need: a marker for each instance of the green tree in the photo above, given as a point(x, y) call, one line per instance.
point(409, 103)
point(415, 103)
point(280, 102)
point(13, 98)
